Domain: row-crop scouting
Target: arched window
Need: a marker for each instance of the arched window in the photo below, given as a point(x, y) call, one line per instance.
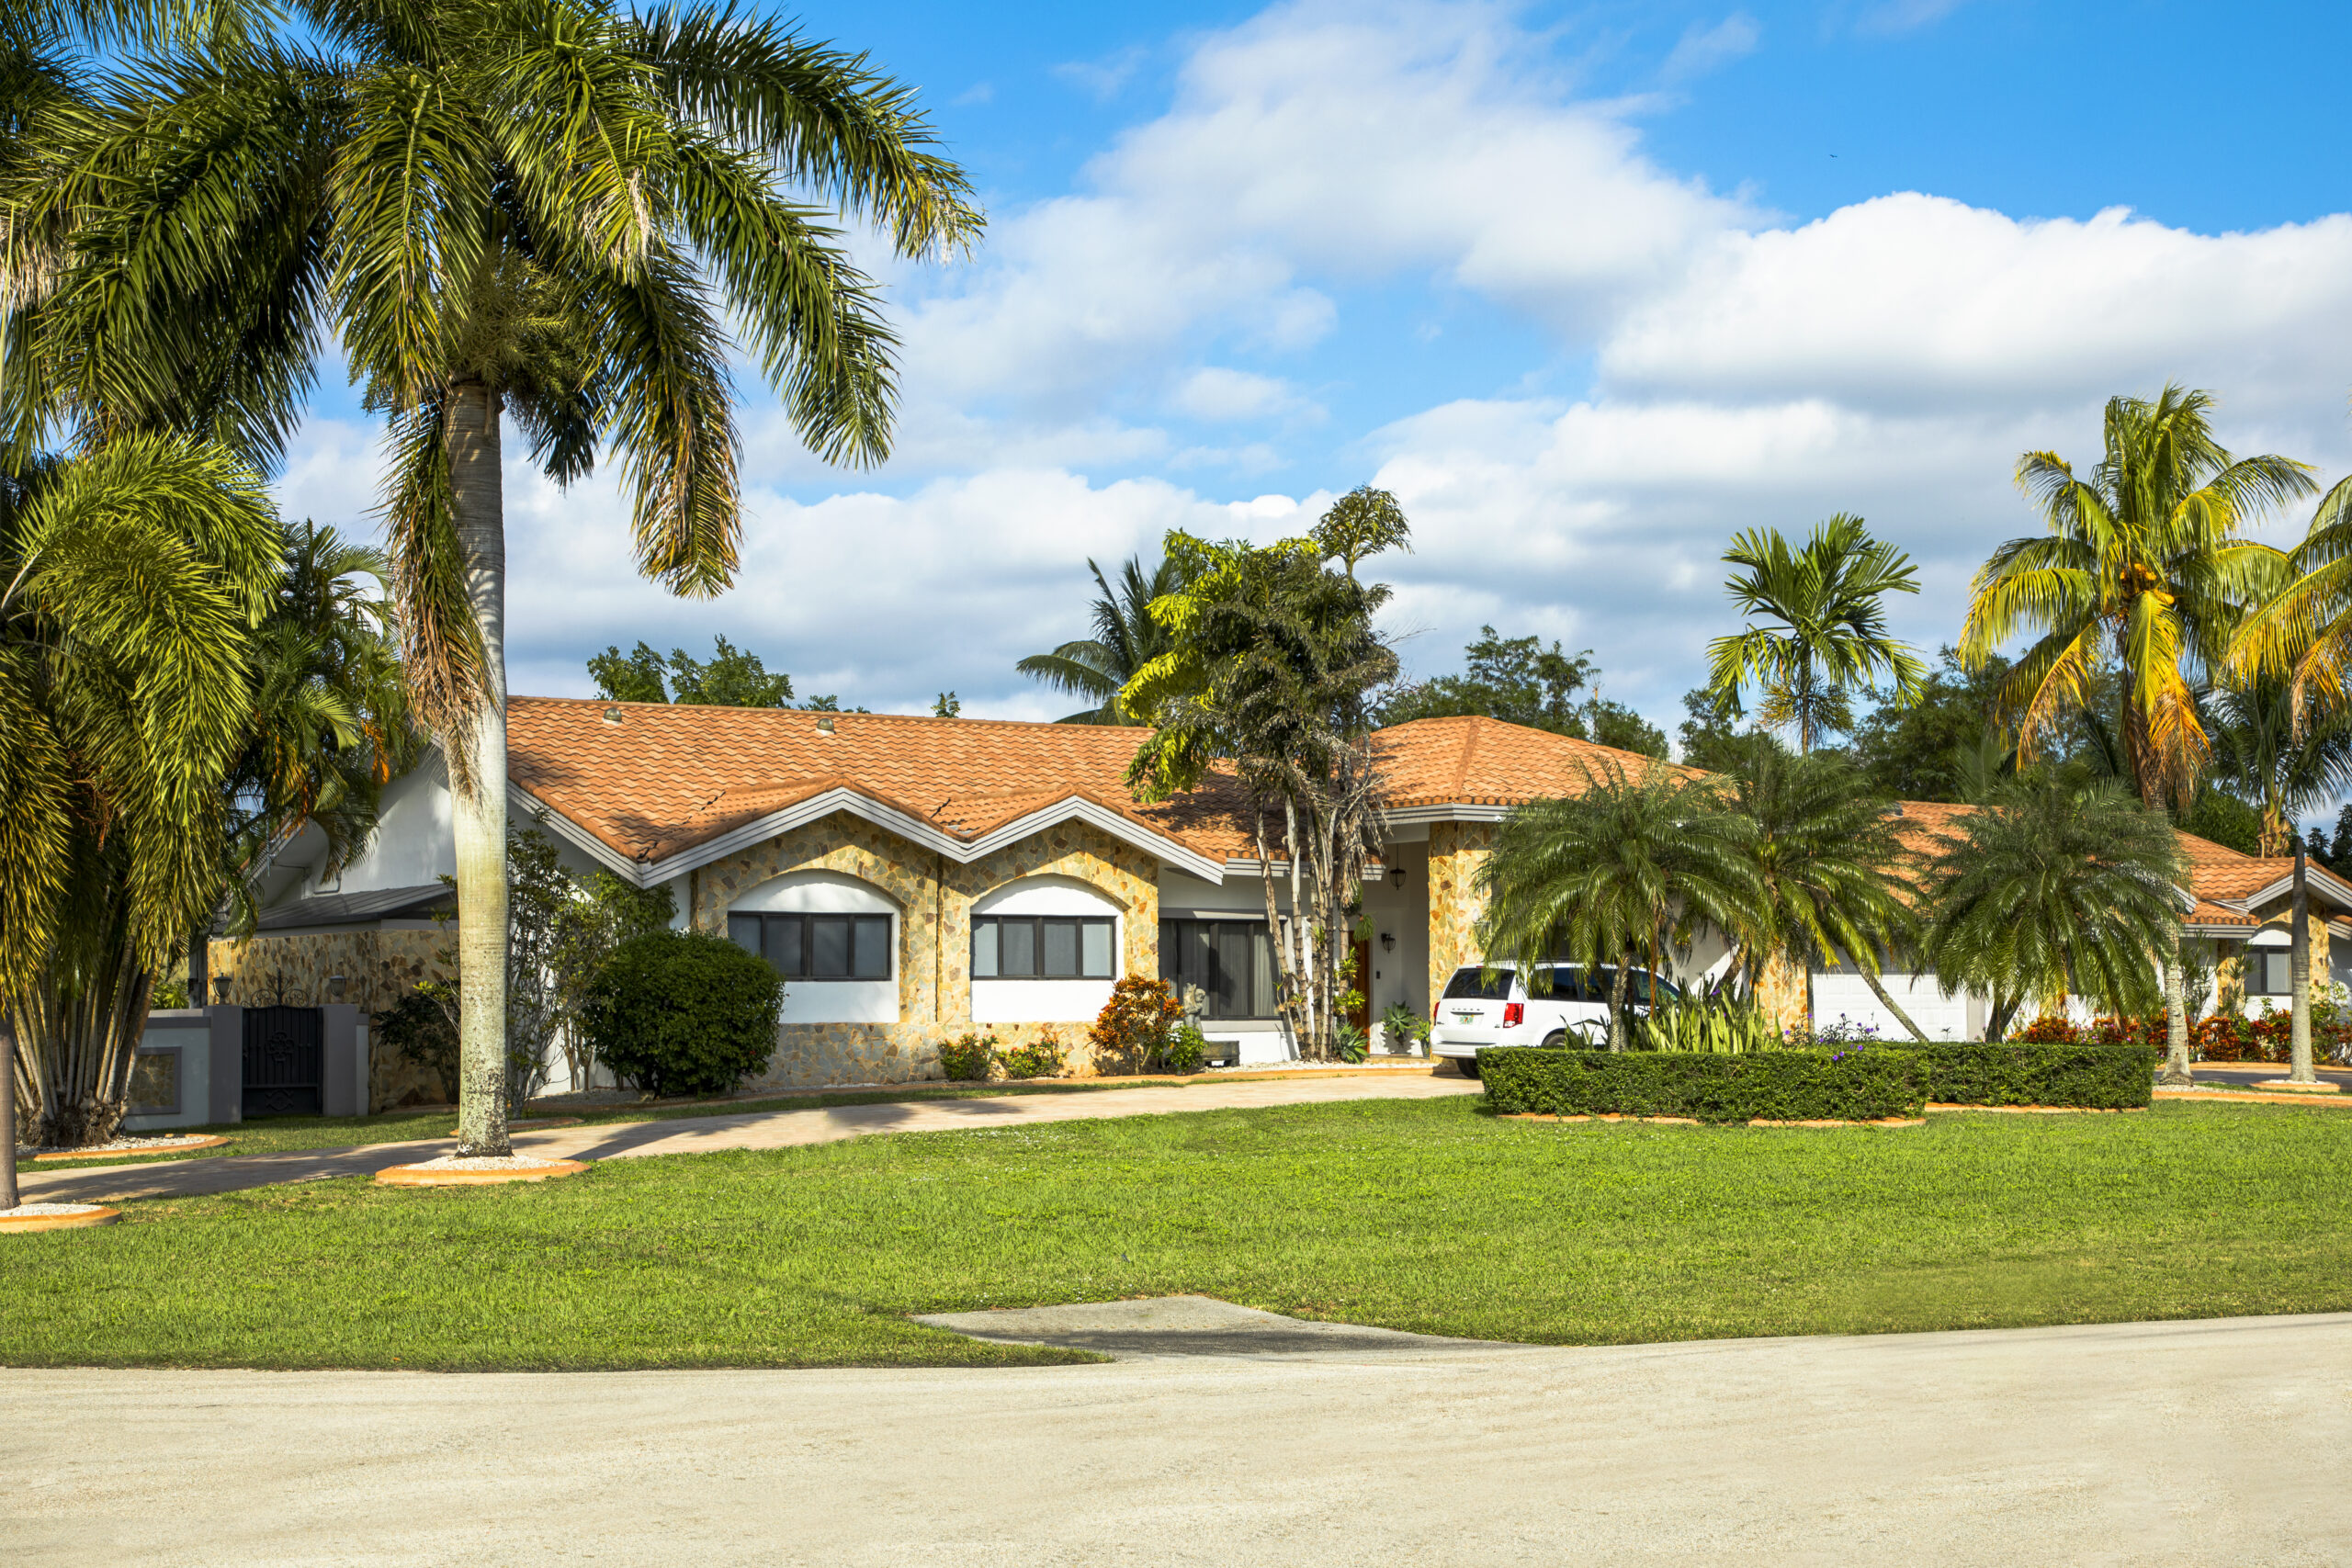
point(833, 937)
point(1045, 950)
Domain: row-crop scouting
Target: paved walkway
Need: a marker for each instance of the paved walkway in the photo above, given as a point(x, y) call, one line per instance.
point(2216, 1442)
point(748, 1130)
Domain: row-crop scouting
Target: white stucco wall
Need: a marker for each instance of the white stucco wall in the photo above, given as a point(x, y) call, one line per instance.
point(1045, 1001)
point(829, 893)
point(414, 844)
point(1841, 993)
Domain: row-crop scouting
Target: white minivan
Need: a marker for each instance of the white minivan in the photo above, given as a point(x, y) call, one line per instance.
point(1476, 1011)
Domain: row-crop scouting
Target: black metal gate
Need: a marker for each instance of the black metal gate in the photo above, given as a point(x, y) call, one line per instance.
point(282, 1061)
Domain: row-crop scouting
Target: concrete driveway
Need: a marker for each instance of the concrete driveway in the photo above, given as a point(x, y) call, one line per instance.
point(2218, 1443)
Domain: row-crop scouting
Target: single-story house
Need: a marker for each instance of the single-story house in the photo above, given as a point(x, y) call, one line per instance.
point(916, 878)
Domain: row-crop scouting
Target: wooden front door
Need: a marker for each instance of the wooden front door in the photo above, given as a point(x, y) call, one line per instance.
point(1361, 1015)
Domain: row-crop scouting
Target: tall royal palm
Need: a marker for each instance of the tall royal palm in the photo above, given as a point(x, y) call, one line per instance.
point(1125, 639)
point(1824, 625)
point(549, 209)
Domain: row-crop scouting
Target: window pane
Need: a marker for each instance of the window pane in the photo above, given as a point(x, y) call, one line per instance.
point(873, 953)
point(829, 947)
point(786, 950)
point(1172, 965)
point(1232, 970)
point(743, 930)
point(1261, 972)
point(1019, 939)
point(1062, 949)
point(1094, 950)
point(983, 950)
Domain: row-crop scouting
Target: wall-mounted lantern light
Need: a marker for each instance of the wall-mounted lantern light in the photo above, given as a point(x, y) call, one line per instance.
point(1388, 942)
point(1397, 876)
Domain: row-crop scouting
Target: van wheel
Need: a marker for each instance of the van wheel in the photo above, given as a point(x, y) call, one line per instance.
point(1556, 1041)
point(1469, 1066)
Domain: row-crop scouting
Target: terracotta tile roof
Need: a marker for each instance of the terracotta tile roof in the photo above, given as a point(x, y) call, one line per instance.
point(1486, 761)
point(663, 778)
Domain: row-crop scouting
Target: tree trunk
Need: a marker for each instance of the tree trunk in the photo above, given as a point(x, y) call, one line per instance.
point(1618, 987)
point(1996, 1023)
point(9, 1199)
point(199, 966)
point(478, 804)
point(2299, 980)
point(2176, 1074)
point(1286, 989)
point(1869, 978)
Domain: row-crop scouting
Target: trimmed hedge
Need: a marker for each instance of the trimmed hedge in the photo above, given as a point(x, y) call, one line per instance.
point(1768, 1086)
point(2098, 1078)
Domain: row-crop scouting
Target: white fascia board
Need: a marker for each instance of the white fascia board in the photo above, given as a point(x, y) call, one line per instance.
point(917, 831)
point(1404, 815)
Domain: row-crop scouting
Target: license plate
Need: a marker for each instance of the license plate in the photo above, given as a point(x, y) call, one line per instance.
point(1465, 1018)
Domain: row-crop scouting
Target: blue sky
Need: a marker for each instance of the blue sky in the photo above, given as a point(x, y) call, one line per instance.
point(1589, 288)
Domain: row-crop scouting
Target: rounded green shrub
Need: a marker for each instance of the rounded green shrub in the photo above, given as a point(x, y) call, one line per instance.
point(682, 1012)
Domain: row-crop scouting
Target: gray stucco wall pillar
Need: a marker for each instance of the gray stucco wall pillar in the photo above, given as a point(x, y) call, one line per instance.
point(225, 1095)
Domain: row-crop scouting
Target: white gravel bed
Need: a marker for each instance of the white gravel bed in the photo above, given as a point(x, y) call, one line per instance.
point(47, 1210)
point(164, 1145)
point(484, 1162)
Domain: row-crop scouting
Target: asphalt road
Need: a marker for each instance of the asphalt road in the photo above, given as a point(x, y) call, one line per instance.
point(2208, 1443)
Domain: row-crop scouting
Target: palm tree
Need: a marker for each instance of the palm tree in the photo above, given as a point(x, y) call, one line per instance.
point(2275, 753)
point(2142, 564)
point(1125, 638)
point(133, 576)
point(1621, 871)
point(2053, 888)
point(1826, 864)
point(550, 212)
point(1827, 598)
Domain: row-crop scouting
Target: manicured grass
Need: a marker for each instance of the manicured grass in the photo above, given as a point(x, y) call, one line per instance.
point(1427, 1214)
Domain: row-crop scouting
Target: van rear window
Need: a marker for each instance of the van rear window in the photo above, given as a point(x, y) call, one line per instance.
point(1466, 986)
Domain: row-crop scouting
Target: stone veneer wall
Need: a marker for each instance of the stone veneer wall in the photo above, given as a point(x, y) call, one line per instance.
point(935, 896)
point(378, 968)
point(1456, 851)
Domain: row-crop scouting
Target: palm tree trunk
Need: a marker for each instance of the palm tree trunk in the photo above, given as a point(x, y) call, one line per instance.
point(478, 804)
point(1869, 978)
point(2176, 1074)
point(1617, 989)
point(1996, 1023)
point(9, 1199)
point(2299, 980)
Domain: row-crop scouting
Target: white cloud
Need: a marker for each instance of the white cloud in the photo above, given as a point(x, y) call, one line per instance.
point(1703, 48)
point(1216, 393)
point(1888, 17)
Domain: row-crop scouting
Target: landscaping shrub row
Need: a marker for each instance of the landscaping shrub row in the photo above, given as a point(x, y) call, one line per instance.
point(1766, 1085)
point(2093, 1077)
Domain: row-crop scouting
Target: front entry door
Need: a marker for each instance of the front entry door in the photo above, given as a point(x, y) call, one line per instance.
point(1361, 1014)
point(282, 1061)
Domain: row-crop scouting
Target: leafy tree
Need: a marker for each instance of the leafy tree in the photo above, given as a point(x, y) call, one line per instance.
point(1125, 639)
point(1622, 871)
point(1708, 739)
point(1829, 868)
point(1271, 664)
point(949, 705)
point(134, 574)
point(1519, 680)
point(1922, 749)
point(1364, 522)
point(2305, 632)
point(2054, 888)
point(1826, 632)
point(731, 678)
point(2223, 819)
point(551, 213)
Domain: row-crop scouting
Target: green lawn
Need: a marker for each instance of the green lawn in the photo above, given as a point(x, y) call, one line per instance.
point(1426, 1215)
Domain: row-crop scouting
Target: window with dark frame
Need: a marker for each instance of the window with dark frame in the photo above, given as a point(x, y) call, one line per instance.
point(2270, 972)
point(816, 947)
point(1232, 962)
point(1043, 947)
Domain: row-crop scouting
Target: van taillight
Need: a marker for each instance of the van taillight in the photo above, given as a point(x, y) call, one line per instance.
point(1435, 1008)
point(1514, 1014)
